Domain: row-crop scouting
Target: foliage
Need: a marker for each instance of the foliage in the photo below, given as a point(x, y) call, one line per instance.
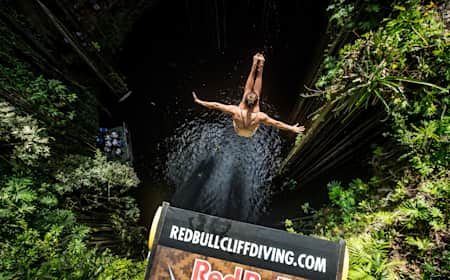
point(48, 100)
point(42, 241)
point(350, 18)
point(370, 258)
point(346, 199)
point(66, 110)
point(397, 224)
point(21, 137)
point(53, 98)
point(62, 217)
point(41, 235)
point(362, 15)
point(98, 190)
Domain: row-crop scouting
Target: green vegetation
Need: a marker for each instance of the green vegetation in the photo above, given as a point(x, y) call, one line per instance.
point(42, 236)
point(65, 212)
point(396, 224)
point(65, 110)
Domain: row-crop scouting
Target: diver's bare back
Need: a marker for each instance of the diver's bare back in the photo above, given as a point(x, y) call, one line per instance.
point(246, 124)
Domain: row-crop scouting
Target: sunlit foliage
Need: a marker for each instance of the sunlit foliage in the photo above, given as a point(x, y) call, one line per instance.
point(42, 235)
point(62, 216)
point(397, 224)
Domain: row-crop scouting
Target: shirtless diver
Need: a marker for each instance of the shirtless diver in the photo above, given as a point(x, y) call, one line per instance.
point(247, 115)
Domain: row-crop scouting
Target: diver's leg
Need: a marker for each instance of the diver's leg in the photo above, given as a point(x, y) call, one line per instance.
point(258, 82)
point(251, 78)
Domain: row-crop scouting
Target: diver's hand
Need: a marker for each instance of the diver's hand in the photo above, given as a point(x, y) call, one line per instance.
point(297, 128)
point(196, 100)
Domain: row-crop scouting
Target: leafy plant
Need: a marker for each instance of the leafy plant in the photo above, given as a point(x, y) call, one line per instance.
point(99, 191)
point(22, 138)
point(397, 224)
point(369, 259)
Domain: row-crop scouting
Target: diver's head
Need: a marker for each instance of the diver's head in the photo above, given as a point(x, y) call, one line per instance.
point(251, 99)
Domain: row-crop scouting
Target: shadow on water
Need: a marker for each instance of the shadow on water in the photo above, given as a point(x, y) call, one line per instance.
point(187, 194)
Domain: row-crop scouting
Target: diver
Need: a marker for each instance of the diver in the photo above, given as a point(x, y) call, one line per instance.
point(247, 115)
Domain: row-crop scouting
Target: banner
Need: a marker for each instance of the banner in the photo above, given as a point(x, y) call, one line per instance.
point(189, 245)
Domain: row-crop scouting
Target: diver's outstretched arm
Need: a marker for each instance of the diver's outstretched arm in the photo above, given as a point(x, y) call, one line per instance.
point(281, 125)
point(229, 109)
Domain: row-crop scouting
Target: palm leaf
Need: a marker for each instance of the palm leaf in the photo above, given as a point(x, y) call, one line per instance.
point(414, 81)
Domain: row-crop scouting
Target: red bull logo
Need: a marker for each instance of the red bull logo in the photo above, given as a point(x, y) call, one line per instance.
point(202, 271)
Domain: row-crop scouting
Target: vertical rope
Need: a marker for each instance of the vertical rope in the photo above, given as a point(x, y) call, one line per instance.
point(188, 15)
point(218, 36)
point(224, 24)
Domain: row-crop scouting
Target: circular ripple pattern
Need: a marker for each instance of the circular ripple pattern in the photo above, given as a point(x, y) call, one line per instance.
point(219, 173)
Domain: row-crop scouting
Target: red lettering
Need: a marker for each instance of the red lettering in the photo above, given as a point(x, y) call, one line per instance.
point(237, 274)
point(201, 269)
point(215, 275)
point(250, 275)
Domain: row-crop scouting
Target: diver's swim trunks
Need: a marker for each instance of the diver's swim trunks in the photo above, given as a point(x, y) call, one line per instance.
point(244, 132)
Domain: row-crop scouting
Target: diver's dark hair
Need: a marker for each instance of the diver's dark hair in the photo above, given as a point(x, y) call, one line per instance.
point(255, 101)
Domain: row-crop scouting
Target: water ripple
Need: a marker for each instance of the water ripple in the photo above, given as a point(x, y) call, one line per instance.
point(217, 172)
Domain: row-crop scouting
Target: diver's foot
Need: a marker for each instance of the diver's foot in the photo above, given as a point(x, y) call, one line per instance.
point(256, 58)
point(260, 57)
point(261, 61)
